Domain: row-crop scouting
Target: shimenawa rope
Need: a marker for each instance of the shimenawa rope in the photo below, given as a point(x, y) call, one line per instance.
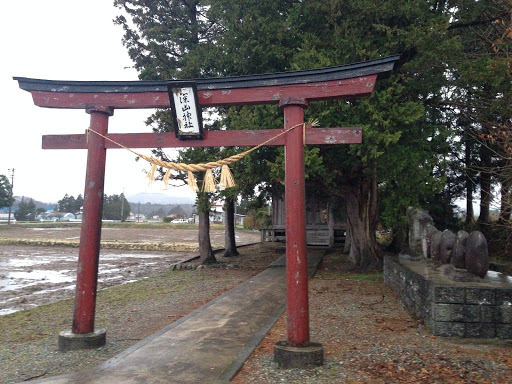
point(209, 184)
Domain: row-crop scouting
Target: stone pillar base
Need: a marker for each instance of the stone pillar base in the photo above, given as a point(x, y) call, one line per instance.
point(309, 356)
point(69, 341)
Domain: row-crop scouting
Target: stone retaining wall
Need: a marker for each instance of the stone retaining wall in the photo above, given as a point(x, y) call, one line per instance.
point(449, 308)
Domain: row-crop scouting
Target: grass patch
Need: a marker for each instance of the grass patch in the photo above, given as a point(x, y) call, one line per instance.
point(360, 277)
point(47, 321)
point(139, 246)
point(38, 324)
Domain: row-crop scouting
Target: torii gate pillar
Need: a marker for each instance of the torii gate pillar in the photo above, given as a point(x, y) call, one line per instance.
point(296, 263)
point(83, 334)
point(297, 351)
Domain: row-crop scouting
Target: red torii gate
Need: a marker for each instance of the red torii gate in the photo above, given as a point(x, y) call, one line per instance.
point(291, 90)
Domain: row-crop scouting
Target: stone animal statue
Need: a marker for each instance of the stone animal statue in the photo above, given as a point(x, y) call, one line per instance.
point(462, 251)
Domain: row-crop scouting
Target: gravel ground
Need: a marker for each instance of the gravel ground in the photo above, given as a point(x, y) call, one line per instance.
point(367, 334)
point(369, 337)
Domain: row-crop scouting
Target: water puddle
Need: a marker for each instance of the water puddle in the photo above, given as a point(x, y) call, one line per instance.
point(36, 276)
point(52, 229)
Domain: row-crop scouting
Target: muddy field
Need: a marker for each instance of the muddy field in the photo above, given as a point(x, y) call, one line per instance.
point(36, 275)
point(118, 233)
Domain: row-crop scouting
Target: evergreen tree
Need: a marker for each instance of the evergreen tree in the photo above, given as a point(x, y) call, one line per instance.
point(114, 206)
point(422, 127)
point(70, 204)
point(6, 199)
point(167, 40)
point(26, 210)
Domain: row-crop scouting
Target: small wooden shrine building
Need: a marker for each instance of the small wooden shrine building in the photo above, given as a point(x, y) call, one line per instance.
point(326, 223)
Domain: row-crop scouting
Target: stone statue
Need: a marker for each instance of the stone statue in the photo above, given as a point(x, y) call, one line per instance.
point(427, 240)
point(448, 239)
point(418, 220)
point(435, 247)
point(461, 251)
point(477, 254)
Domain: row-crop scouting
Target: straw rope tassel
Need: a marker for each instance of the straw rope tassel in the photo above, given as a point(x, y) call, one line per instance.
point(166, 178)
point(151, 174)
point(192, 182)
point(209, 181)
point(226, 178)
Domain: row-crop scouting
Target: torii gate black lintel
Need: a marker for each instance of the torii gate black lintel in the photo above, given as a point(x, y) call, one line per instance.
point(351, 80)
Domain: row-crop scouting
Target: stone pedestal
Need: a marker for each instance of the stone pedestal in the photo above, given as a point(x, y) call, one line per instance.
point(69, 341)
point(309, 356)
point(480, 308)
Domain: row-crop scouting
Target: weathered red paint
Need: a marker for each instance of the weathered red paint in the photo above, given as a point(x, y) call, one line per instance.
point(360, 87)
point(88, 257)
point(296, 262)
point(314, 136)
point(292, 96)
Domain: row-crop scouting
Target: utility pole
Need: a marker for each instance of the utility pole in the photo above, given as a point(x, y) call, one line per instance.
point(12, 200)
point(122, 205)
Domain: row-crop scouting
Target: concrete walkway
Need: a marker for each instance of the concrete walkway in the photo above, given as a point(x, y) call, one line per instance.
point(208, 345)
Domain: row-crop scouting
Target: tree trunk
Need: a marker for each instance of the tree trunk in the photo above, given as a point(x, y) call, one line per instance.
point(485, 187)
point(470, 214)
point(229, 232)
point(399, 239)
point(205, 247)
point(360, 207)
point(346, 246)
point(506, 200)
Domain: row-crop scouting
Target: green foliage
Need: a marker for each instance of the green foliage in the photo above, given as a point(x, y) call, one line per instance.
point(253, 170)
point(203, 202)
point(70, 204)
point(114, 206)
point(26, 210)
point(452, 85)
point(258, 218)
point(313, 163)
point(5, 192)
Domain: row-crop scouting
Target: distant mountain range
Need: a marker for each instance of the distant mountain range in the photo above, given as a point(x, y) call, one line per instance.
point(38, 204)
point(133, 199)
point(157, 198)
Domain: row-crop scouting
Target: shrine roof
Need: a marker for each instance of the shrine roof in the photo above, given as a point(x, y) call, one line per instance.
point(381, 67)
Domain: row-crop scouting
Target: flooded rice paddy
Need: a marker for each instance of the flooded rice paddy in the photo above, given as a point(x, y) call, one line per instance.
point(32, 276)
point(38, 275)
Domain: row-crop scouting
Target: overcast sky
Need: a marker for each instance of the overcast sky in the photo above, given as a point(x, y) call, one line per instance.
point(63, 40)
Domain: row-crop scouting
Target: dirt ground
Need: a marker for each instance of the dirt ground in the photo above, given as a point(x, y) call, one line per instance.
point(33, 275)
point(118, 233)
point(367, 334)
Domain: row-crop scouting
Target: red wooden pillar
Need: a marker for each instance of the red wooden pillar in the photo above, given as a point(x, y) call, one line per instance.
point(90, 236)
point(295, 200)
